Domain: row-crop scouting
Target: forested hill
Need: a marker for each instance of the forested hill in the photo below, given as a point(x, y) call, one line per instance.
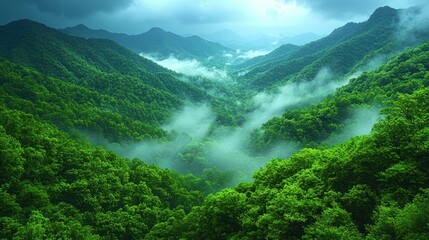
point(403, 74)
point(371, 187)
point(340, 52)
point(79, 60)
point(158, 42)
point(97, 75)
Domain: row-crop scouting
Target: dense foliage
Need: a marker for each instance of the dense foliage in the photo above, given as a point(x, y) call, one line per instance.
point(89, 82)
point(340, 52)
point(373, 187)
point(55, 185)
point(403, 74)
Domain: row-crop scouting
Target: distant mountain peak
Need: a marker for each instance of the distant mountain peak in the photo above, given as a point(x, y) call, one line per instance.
point(81, 26)
point(156, 30)
point(25, 22)
point(381, 13)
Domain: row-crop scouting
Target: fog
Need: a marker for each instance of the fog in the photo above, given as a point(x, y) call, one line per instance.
point(251, 53)
point(291, 95)
point(190, 67)
point(193, 120)
point(196, 142)
point(360, 122)
point(414, 24)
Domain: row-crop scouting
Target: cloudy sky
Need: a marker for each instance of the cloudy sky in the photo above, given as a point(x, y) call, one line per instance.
point(286, 17)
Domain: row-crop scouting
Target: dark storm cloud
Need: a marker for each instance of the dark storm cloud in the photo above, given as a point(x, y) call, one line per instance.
point(342, 9)
point(78, 8)
point(198, 16)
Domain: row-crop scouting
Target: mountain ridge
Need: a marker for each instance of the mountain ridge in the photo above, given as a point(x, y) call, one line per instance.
point(305, 61)
point(157, 41)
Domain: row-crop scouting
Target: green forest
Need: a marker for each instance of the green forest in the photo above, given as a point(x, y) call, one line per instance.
point(93, 144)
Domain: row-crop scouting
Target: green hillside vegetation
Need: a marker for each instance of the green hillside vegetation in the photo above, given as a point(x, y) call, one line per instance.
point(372, 187)
point(340, 52)
point(89, 84)
point(403, 74)
point(53, 187)
point(72, 107)
point(80, 60)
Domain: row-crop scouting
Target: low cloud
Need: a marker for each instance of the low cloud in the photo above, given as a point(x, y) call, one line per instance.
point(192, 120)
point(270, 104)
point(414, 24)
point(251, 53)
point(360, 122)
point(190, 67)
point(194, 145)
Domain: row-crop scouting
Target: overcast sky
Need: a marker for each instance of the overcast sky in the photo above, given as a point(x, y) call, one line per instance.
point(286, 17)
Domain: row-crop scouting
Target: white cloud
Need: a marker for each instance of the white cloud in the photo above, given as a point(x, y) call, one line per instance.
point(251, 53)
point(194, 121)
point(190, 67)
point(271, 104)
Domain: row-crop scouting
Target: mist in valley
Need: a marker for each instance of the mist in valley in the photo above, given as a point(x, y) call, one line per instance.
point(197, 144)
point(360, 121)
point(190, 67)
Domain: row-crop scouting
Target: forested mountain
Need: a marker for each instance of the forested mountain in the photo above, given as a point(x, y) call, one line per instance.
point(110, 79)
point(236, 41)
point(54, 187)
point(56, 89)
point(340, 52)
point(371, 187)
point(403, 74)
point(158, 42)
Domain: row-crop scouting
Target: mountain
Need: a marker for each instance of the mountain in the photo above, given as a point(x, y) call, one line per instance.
point(120, 83)
point(341, 52)
point(403, 74)
point(257, 42)
point(374, 186)
point(158, 42)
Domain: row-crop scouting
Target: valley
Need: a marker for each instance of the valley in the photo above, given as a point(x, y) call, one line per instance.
point(159, 136)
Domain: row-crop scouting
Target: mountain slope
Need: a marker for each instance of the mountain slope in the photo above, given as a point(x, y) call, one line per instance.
point(370, 187)
point(52, 186)
point(158, 42)
point(76, 59)
point(405, 73)
point(124, 82)
point(340, 52)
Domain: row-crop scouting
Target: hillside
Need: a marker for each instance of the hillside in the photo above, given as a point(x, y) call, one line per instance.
point(115, 79)
point(403, 74)
point(340, 52)
point(157, 42)
point(372, 186)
